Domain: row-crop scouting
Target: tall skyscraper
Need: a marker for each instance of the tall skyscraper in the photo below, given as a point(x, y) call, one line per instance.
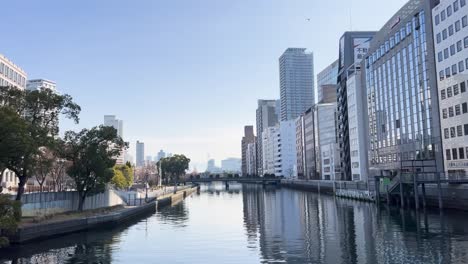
point(325, 79)
point(140, 154)
point(353, 48)
point(161, 154)
point(450, 24)
point(11, 74)
point(40, 84)
point(248, 138)
point(111, 120)
point(296, 82)
point(399, 74)
point(266, 117)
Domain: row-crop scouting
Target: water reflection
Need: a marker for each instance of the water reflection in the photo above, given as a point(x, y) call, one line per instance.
point(256, 224)
point(299, 227)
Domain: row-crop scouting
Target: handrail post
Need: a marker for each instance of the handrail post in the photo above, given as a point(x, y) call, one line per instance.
point(416, 194)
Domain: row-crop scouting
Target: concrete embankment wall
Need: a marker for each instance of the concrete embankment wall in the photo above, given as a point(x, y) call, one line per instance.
point(352, 190)
point(34, 204)
point(172, 199)
point(37, 231)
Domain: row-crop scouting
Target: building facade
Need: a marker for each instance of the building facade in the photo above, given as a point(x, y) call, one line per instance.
point(285, 155)
point(231, 165)
point(328, 148)
point(400, 78)
point(251, 159)
point(450, 24)
point(40, 84)
point(109, 120)
point(296, 82)
point(325, 78)
point(266, 116)
point(270, 138)
point(247, 139)
point(140, 154)
point(353, 47)
point(11, 74)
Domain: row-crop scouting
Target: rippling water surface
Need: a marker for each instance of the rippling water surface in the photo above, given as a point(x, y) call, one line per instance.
point(252, 224)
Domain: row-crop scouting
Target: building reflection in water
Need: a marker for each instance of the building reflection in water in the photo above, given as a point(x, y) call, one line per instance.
point(300, 227)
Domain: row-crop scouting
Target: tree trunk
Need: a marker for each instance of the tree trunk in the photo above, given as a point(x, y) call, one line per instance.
point(81, 201)
point(21, 183)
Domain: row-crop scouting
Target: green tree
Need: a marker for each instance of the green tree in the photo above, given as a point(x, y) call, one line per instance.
point(15, 141)
point(123, 176)
point(175, 166)
point(118, 180)
point(92, 157)
point(40, 110)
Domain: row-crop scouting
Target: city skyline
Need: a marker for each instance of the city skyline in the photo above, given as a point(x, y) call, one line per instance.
point(95, 50)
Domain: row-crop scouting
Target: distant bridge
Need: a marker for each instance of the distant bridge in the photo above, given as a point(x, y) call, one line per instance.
point(263, 181)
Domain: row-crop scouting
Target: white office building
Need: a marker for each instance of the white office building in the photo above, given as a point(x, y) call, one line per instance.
point(11, 74)
point(270, 137)
point(296, 82)
point(112, 121)
point(251, 157)
point(41, 84)
point(357, 123)
point(231, 165)
point(327, 141)
point(450, 24)
point(285, 156)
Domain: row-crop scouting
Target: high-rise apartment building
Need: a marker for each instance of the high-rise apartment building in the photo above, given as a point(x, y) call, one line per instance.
point(266, 116)
point(306, 146)
point(140, 154)
point(11, 74)
point(450, 27)
point(296, 82)
point(109, 120)
point(399, 74)
point(325, 79)
point(327, 148)
point(40, 84)
point(247, 139)
point(353, 47)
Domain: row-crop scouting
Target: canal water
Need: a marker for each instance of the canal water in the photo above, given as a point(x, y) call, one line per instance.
point(253, 224)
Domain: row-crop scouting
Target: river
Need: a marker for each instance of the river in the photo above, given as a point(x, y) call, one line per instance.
point(253, 224)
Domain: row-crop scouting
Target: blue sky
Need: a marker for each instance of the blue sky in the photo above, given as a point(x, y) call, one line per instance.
point(184, 75)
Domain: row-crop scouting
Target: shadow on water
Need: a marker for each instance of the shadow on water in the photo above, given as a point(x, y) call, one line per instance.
point(92, 246)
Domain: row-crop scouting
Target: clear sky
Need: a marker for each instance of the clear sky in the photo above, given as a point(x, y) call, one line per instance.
point(184, 75)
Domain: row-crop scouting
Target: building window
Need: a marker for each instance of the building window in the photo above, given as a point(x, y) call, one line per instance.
point(455, 6)
point(465, 41)
point(464, 21)
point(441, 75)
point(447, 72)
point(442, 15)
point(459, 131)
point(457, 25)
point(461, 153)
point(444, 113)
point(462, 3)
point(449, 10)
point(465, 127)
point(442, 94)
point(459, 46)
point(446, 133)
point(355, 165)
point(452, 50)
point(444, 34)
point(452, 132)
point(454, 69)
point(450, 30)
point(454, 154)
point(437, 20)
point(462, 87)
point(446, 53)
point(440, 56)
point(457, 110)
point(450, 109)
point(448, 155)
point(449, 92)
point(455, 90)
point(465, 108)
point(461, 66)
